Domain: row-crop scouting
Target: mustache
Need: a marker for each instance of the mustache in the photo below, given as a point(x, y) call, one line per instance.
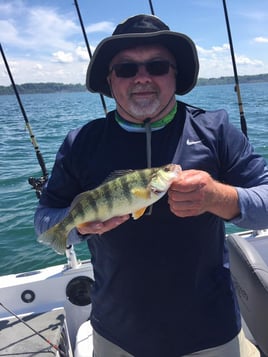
point(139, 88)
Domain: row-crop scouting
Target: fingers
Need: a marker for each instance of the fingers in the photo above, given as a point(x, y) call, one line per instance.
point(189, 181)
point(101, 227)
point(186, 208)
point(187, 194)
point(186, 204)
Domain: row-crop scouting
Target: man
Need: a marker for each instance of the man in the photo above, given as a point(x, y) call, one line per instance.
point(161, 287)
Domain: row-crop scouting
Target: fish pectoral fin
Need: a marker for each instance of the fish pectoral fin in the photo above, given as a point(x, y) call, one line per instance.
point(141, 192)
point(139, 213)
point(81, 225)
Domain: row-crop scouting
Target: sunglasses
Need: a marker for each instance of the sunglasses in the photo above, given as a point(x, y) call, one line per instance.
point(130, 69)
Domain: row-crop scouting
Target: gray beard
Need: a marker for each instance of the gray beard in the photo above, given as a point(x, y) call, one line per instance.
point(144, 108)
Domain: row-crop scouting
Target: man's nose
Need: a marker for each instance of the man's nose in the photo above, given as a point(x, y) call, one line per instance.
point(142, 74)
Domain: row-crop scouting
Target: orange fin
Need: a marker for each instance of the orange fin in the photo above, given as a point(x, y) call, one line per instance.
point(139, 213)
point(81, 225)
point(141, 192)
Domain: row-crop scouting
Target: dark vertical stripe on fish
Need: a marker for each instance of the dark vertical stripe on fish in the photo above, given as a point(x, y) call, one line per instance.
point(79, 211)
point(126, 188)
point(92, 201)
point(144, 178)
point(107, 191)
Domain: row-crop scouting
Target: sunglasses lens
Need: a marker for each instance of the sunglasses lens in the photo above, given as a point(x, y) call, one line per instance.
point(130, 69)
point(157, 68)
point(126, 70)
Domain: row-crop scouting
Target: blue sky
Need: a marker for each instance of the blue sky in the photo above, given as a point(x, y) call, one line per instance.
point(43, 41)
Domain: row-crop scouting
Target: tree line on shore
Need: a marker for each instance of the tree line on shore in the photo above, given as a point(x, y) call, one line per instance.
point(52, 87)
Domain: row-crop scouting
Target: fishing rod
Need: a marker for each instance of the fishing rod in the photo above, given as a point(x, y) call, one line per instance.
point(57, 348)
point(36, 184)
point(88, 47)
point(237, 87)
point(151, 7)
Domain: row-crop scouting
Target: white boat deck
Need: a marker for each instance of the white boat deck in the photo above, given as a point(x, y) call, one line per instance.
point(16, 339)
point(41, 300)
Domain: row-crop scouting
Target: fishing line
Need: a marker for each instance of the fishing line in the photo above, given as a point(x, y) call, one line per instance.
point(88, 48)
point(57, 348)
point(36, 184)
point(237, 88)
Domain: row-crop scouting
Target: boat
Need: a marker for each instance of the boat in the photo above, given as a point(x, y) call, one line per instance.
point(46, 312)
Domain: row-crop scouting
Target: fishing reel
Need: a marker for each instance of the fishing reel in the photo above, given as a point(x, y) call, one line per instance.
point(38, 184)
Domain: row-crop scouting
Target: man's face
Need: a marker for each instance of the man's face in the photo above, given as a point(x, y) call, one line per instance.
point(143, 95)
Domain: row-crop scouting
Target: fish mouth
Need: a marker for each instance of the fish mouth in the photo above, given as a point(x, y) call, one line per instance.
point(156, 191)
point(174, 168)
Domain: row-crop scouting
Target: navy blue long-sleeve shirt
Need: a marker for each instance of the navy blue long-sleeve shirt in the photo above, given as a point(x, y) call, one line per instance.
point(161, 288)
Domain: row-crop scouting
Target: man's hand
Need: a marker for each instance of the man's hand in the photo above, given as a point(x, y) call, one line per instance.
point(101, 227)
point(196, 192)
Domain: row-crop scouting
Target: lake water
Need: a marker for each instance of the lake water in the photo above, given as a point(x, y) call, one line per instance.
point(51, 116)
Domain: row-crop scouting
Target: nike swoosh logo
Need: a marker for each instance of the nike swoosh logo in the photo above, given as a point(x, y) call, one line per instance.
point(192, 142)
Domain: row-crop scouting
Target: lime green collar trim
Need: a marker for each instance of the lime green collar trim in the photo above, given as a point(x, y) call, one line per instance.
point(157, 124)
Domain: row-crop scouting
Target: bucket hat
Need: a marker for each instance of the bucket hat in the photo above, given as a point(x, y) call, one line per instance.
point(143, 30)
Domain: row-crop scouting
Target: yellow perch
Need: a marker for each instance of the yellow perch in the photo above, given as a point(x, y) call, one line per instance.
point(129, 193)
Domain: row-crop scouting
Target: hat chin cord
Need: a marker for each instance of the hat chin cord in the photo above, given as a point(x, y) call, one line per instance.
point(148, 131)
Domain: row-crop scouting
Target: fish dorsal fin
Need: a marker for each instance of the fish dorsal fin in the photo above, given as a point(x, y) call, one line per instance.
point(118, 173)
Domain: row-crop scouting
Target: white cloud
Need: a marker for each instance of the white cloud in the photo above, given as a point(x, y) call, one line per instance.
point(103, 26)
point(7, 9)
point(25, 71)
point(219, 50)
point(38, 29)
point(244, 60)
point(82, 54)
point(261, 39)
point(78, 54)
point(216, 62)
point(38, 66)
point(54, 31)
point(62, 57)
point(11, 34)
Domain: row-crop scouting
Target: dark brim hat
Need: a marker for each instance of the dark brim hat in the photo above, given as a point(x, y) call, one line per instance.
point(144, 30)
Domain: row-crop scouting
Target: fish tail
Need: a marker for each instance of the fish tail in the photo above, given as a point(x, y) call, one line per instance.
point(56, 237)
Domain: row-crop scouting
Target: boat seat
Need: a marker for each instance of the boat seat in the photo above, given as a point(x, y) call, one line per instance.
point(249, 269)
point(84, 342)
